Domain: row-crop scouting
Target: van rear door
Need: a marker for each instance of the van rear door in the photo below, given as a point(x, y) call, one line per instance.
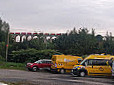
point(53, 61)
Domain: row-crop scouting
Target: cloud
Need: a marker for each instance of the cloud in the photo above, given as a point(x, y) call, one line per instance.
point(58, 15)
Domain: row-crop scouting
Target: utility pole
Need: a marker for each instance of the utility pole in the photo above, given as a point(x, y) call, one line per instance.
point(7, 44)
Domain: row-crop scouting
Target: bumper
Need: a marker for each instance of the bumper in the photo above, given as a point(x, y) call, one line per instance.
point(29, 68)
point(75, 72)
point(54, 70)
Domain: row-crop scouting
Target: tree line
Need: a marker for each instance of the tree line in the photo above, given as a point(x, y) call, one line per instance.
point(82, 42)
point(76, 42)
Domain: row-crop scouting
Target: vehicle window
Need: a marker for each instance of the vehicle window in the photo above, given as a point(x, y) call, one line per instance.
point(99, 62)
point(39, 61)
point(79, 60)
point(84, 62)
point(53, 59)
point(90, 62)
point(43, 61)
point(48, 62)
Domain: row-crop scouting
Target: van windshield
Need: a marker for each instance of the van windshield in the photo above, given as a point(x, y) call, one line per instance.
point(83, 62)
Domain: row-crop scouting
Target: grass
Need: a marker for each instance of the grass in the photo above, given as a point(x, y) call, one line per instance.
point(12, 65)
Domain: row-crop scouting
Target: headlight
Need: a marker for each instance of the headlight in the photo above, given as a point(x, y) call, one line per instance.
point(75, 68)
point(72, 71)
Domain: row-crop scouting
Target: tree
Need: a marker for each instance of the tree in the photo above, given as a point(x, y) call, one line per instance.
point(4, 29)
point(77, 42)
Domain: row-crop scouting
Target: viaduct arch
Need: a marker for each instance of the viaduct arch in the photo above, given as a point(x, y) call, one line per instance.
point(29, 36)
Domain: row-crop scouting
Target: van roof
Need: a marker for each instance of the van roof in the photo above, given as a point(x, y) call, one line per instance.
point(65, 55)
point(99, 56)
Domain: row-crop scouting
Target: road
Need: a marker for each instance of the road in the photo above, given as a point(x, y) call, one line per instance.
point(47, 78)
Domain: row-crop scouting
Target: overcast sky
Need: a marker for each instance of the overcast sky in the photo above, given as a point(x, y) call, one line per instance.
point(58, 15)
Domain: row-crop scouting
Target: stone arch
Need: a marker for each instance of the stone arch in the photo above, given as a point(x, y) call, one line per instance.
point(54, 37)
point(35, 37)
point(48, 37)
point(23, 38)
point(29, 37)
point(17, 38)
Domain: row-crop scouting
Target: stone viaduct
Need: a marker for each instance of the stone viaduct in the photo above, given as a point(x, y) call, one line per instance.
point(29, 36)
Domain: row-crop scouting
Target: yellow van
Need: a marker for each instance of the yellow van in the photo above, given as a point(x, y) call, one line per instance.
point(64, 63)
point(94, 65)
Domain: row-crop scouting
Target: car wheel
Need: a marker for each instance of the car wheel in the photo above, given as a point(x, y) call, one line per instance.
point(82, 74)
point(62, 71)
point(34, 68)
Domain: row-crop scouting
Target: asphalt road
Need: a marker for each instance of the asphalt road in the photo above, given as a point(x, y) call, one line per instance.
point(47, 78)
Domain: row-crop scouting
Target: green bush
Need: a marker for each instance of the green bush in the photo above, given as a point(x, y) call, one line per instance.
point(2, 49)
point(31, 55)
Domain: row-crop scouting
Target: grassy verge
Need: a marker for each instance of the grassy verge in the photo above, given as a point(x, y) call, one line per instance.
point(11, 65)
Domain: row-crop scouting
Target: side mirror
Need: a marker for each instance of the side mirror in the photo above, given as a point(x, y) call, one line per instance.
point(107, 62)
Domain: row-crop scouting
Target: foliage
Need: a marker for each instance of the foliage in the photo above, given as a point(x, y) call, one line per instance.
point(2, 49)
point(4, 28)
point(76, 42)
point(81, 42)
point(31, 55)
point(37, 44)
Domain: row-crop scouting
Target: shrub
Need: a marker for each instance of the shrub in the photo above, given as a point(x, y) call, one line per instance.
point(31, 55)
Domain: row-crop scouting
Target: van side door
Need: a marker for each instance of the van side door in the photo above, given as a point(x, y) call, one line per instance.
point(89, 66)
point(99, 67)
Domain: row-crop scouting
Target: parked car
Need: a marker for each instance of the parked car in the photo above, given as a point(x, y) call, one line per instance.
point(40, 64)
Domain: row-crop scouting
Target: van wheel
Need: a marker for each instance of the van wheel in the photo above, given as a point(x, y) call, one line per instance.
point(62, 71)
point(34, 68)
point(82, 74)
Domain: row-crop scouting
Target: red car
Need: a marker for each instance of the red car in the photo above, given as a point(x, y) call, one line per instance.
point(40, 64)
